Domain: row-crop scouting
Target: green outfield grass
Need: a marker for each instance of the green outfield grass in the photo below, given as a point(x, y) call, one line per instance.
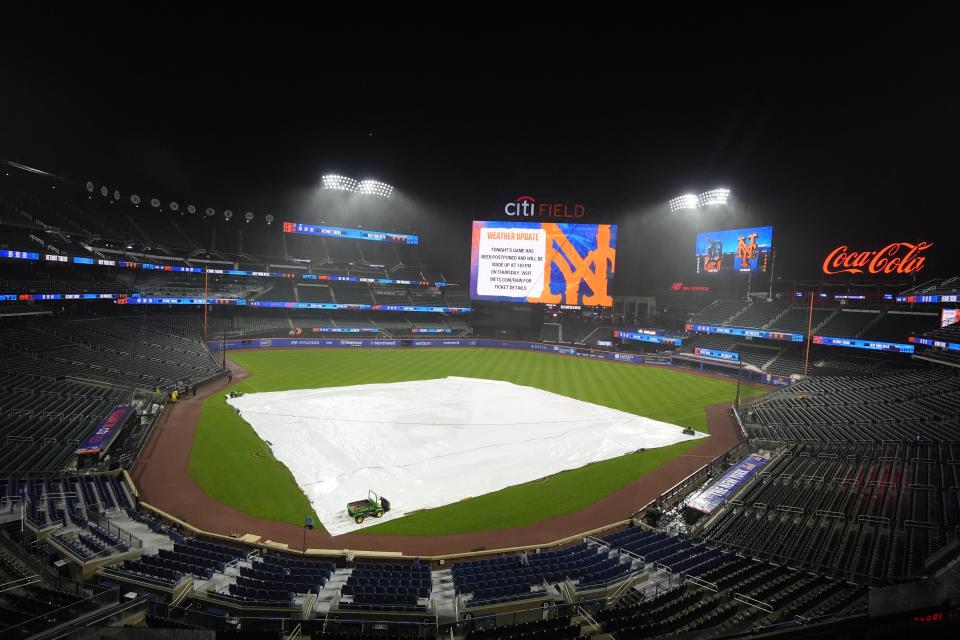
point(235, 467)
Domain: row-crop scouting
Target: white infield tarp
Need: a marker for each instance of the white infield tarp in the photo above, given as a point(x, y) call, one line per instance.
point(429, 443)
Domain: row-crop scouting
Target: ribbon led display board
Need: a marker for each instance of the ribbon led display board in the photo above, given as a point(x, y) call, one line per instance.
point(351, 234)
point(645, 337)
point(871, 345)
point(746, 333)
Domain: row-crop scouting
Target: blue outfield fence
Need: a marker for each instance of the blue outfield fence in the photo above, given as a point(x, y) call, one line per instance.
point(489, 343)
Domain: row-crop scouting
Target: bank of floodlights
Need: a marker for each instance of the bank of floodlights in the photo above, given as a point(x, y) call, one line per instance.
point(714, 197)
point(709, 198)
point(686, 201)
point(374, 188)
point(333, 182)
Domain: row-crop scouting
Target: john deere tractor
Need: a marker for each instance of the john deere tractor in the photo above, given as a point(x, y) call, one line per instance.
point(372, 505)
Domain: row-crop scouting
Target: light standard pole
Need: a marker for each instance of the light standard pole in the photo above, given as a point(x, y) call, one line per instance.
point(736, 403)
point(640, 453)
point(307, 524)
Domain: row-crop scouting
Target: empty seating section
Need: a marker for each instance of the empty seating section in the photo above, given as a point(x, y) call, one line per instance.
point(848, 324)
point(787, 363)
point(152, 569)
point(26, 278)
point(189, 556)
point(897, 326)
point(119, 352)
point(376, 255)
point(688, 609)
point(101, 231)
point(313, 293)
point(551, 629)
point(347, 251)
point(247, 324)
point(950, 333)
point(273, 573)
point(395, 326)
point(499, 580)
point(756, 355)
point(797, 319)
point(353, 322)
point(381, 585)
point(579, 331)
point(43, 420)
point(37, 609)
point(708, 340)
point(951, 358)
point(425, 297)
point(837, 321)
point(759, 314)
point(456, 297)
point(74, 504)
point(867, 512)
point(832, 362)
point(550, 332)
point(352, 294)
point(719, 312)
point(282, 290)
point(198, 557)
point(396, 295)
point(677, 554)
point(281, 323)
point(909, 405)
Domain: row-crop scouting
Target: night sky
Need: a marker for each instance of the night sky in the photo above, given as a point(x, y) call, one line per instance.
point(846, 137)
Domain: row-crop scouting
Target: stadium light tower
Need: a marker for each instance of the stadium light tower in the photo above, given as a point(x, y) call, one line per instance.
point(334, 182)
point(686, 201)
point(374, 188)
point(711, 198)
point(714, 197)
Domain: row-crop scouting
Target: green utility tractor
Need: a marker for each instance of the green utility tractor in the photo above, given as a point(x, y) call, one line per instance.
point(372, 505)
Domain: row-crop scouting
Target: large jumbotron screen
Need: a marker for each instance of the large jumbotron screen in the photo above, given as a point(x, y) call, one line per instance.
point(733, 250)
point(543, 262)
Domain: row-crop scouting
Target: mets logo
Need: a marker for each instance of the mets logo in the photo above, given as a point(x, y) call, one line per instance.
point(747, 249)
point(590, 269)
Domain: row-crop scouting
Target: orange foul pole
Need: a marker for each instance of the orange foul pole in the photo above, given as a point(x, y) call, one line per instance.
point(806, 358)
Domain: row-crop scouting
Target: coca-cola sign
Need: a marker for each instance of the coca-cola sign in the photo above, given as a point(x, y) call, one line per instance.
point(899, 258)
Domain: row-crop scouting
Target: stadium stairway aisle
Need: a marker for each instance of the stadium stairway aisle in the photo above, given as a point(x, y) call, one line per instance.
point(444, 594)
point(221, 581)
point(152, 542)
point(332, 587)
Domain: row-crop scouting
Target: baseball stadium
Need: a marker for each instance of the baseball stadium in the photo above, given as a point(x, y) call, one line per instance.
point(336, 379)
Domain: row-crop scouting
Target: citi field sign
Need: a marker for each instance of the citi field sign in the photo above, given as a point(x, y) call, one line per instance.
point(901, 258)
point(528, 207)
